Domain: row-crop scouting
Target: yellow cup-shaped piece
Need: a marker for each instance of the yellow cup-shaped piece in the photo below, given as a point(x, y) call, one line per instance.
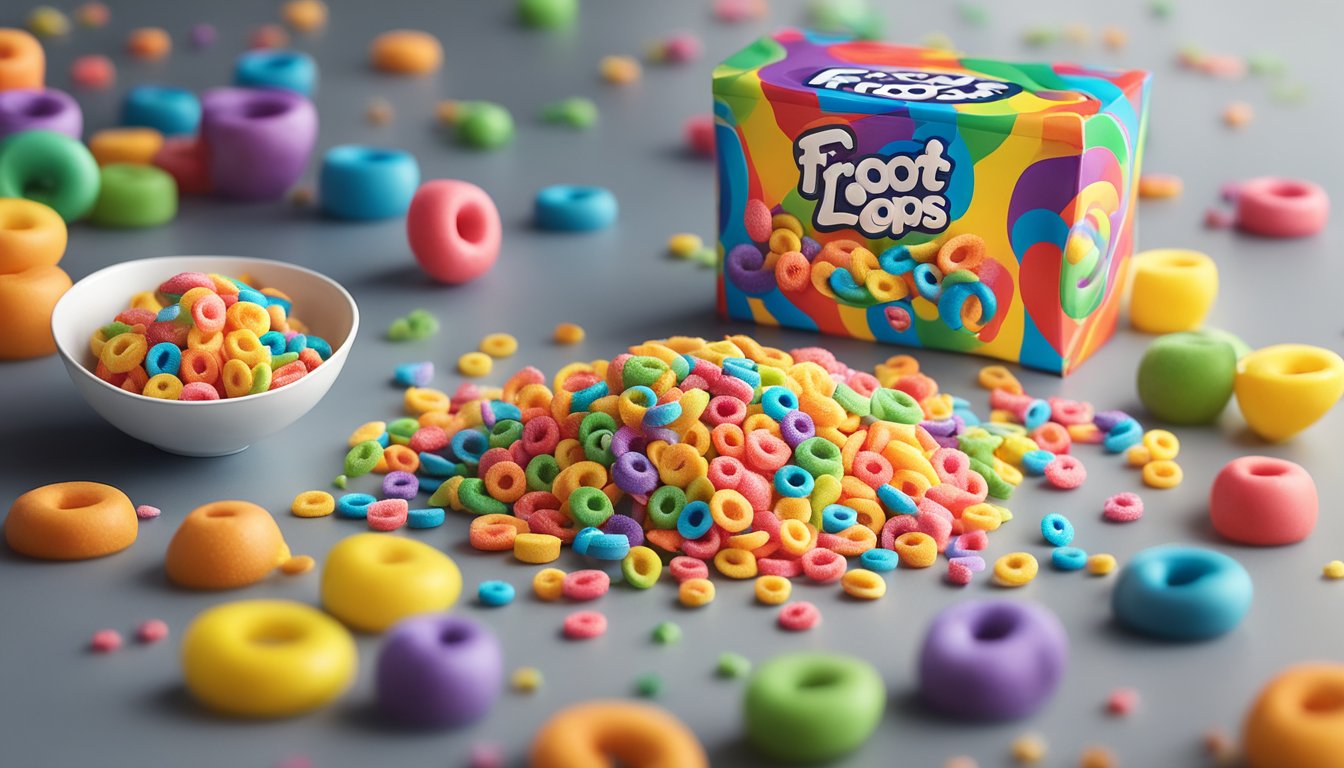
point(372, 580)
point(1284, 389)
point(1173, 290)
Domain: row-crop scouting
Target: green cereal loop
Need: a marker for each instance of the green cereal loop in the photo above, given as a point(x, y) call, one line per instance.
point(665, 505)
point(541, 472)
point(681, 367)
point(399, 330)
point(598, 448)
point(1003, 429)
point(819, 456)
point(813, 707)
point(642, 371)
point(440, 496)
point(667, 633)
point(998, 487)
point(980, 447)
point(852, 401)
point(959, 276)
point(732, 665)
point(589, 507)
point(505, 433)
point(471, 493)
point(895, 406)
point(594, 421)
point(261, 378)
point(132, 196)
point(362, 458)
point(649, 685)
point(283, 360)
point(630, 570)
point(400, 431)
point(114, 329)
point(772, 376)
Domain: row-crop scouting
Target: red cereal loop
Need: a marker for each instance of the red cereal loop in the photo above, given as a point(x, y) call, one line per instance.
point(540, 436)
point(534, 501)
point(553, 522)
point(1053, 437)
point(683, 568)
point(764, 452)
point(388, 514)
point(894, 527)
point(822, 565)
point(429, 438)
point(952, 466)
point(918, 386)
point(937, 527)
point(1065, 472)
point(490, 458)
point(758, 220)
point(588, 584)
point(585, 625)
point(757, 490)
point(706, 546)
point(872, 469)
point(799, 616)
point(1123, 508)
point(959, 573)
point(778, 566)
point(863, 383)
point(975, 540)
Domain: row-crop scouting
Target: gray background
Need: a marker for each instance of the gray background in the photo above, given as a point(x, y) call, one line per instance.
point(61, 706)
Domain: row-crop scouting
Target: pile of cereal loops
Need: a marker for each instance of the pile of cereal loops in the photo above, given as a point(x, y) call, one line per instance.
point(767, 464)
point(205, 337)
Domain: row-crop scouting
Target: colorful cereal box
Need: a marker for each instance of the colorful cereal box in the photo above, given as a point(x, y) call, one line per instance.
point(917, 197)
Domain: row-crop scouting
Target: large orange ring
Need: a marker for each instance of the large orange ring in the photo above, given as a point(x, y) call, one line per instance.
point(593, 734)
point(1298, 719)
point(224, 545)
point(31, 235)
point(71, 521)
point(29, 298)
point(23, 64)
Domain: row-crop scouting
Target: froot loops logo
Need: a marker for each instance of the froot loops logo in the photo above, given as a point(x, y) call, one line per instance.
point(880, 195)
point(912, 85)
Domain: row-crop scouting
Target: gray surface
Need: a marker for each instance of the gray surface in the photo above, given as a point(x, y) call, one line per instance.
point(61, 706)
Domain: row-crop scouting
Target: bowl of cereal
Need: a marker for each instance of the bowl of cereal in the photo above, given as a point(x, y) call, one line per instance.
point(204, 355)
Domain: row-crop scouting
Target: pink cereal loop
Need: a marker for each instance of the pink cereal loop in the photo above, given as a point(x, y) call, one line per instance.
point(683, 568)
point(584, 585)
point(388, 514)
point(778, 566)
point(1123, 508)
point(1065, 472)
point(585, 625)
point(822, 565)
point(799, 616)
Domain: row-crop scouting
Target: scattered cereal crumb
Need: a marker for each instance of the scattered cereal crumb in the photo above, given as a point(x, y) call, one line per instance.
point(1097, 757)
point(203, 35)
point(297, 565)
point(1215, 218)
point(649, 685)
point(1100, 564)
point(486, 756)
point(304, 15)
point(732, 665)
point(105, 641)
point(667, 633)
point(151, 631)
point(268, 36)
point(1122, 701)
point(1160, 185)
point(568, 333)
point(973, 14)
point(149, 43)
point(45, 21)
point(939, 41)
point(1078, 33)
point(93, 72)
point(303, 196)
point(1029, 748)
point(379, 112)
point(1219, 746)
point(1039, 36)
point(1238, 114)
point(961, 761)
point(1333, 570)
point(340, 481)
point(146, 512)
point(1114, 38)
point(526, 679)
point(684, 245)
point(619, 70)
point(93, 15)
point(732, 11)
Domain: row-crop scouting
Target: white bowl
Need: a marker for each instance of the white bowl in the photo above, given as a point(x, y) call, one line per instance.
point(212, 427)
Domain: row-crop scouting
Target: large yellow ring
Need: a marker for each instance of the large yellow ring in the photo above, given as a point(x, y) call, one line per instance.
point(372, 580)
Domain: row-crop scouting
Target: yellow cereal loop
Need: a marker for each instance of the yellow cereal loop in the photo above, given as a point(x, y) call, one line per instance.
point(998, 377)
point(788, 508)
point(773, 590)
point(499, 345)
point(237, 378)
point(368, 431)
point(244, 345)
point(981, 517)
point(1015, 569)
point(1162, 474)
point(213, 342)
point(683, 244)
point(548, 583)
point(1161, 444)
point(536, 548)
point(1100, 564)
point(145, 300)
point(1333, 570)
point(313, 504)
point(568, 333)
point(190, 297)
point(475, 364)
point(694, 593)
point(163, 386)
point(735, 563)
point(526, 679)
point(244, 315)
point(420, 400)
point(370, 581)
point(863, 584)
point(96, 342)
point(124, 352)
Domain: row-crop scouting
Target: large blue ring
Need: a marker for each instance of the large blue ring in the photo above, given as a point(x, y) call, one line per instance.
point(1182, 593)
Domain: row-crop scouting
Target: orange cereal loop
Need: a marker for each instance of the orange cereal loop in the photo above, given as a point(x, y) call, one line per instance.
point(398, 458)
point(23, 63)
point(998, 377)
point(304, 15)
point(71, 521)
point(244, 315)
point(133, 145)
point(505, 481)
point(31, 235)
point(149, 43)
point(225, 545)
point(406, 52)
point(28, 298)
point(619, 70)
point(568, 333)
point(902, 365)
point(961, 252)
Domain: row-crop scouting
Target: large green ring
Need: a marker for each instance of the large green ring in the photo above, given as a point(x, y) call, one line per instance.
point(50, 168)
point(135, 196)
point(813, 707)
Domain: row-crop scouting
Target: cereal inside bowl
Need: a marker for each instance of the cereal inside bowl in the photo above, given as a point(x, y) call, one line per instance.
point(202, 355)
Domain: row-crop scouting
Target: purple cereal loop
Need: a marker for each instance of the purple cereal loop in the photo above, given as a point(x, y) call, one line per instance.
point(810, 248)
point(743, 266)
point(973, 563)
point(400, 485)
point(661, 433)
point(626, 526)
point(945, 441)
point(1107, 420)
point(626, 440)
point(634, 473)
point(940, 428)
point(795, 427)
point(487, 415)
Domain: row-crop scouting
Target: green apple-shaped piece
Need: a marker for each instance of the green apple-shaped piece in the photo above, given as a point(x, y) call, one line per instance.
point(1187, 378)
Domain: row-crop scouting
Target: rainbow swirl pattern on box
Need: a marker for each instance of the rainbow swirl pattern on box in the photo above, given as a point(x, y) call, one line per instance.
point(916, 197)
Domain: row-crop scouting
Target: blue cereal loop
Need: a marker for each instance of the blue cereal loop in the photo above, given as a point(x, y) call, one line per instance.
point(412, 374)
point(297, 343)
point(1122, 436)
point(896, 260)
point(505, 411)
point(878, 559)
point(163, 357)
point(794, 482)
point(275, 341)
point(1068, 559)
point(608, 546)
point(580, 401)
point(741, 362)
point(354, 505)
point(568, 208)
point(1036, 414)
point(749, 375)
point(1057, 530)
point(494, 594)
point(1035, 462)
point(695, 520)
point(836, 518)
point(662, 415)
point(432, 517)
point(434, 465)
point(468, 445)
point(844, 286)
point(384, 439)
point(896, 501)
point(255, 297)
point(168, 313)
point(583, 538)
point(321, 346)
point(928, 281)
point(776, 402)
